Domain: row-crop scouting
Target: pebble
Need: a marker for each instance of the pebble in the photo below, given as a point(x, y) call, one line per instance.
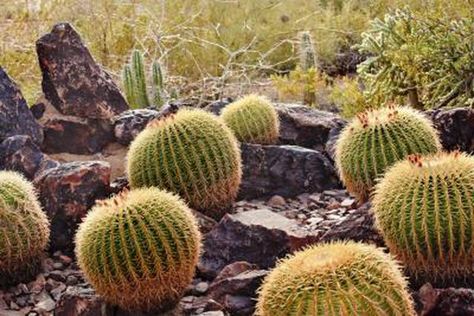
point(276, 201)
point(201, 287)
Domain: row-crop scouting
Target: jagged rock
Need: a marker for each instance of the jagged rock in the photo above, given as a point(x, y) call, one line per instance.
point(15, 116)
point(284, 170)
point(77, 301)
point(72, 81)
point(130, 123)
point(216, 107)
point(20, 153)
point(456, 128)
point(358, 226)
point(446, 302)
point(76, 135)
point(259, 237)
point(306, 127)
point(66, 193)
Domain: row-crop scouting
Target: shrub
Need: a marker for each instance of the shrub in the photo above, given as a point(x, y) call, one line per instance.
point(341, 278)
point(424, 207)
point(191, 153)
point(24, 229)
point(139, 249)
point(253, 119)
point(347, 95)
point(376, 139)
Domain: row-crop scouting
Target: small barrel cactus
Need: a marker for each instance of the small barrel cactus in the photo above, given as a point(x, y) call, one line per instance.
point(191, 153)
point(375, 140)
point(253, 119)
point(24, 229)
point(340, 278)
point(139, 249)
point(424, 207)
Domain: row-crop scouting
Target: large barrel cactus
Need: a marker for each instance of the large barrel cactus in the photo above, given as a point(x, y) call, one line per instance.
point(376, 139)
point(341, 278)
point(139, 249)
point(253, 119)
point(24, 229)
point(191, 153)
point(424, 207)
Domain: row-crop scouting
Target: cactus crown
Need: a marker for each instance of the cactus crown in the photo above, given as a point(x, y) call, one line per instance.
point(135, 83)
point(191, 153)
point(24, 229)
point(307, 53)
point(253, 119)
point(340, 278)
point(424, 207)
point(376, 139)
point(139, 249)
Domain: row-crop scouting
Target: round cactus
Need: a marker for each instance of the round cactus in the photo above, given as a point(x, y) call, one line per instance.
point(139, 249)
point(424, 207)
point(191, 153)
point(253, 119)
point(24, 229)
point(375, 140)
point(340, 278)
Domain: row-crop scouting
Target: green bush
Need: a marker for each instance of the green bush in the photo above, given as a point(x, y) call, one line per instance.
point(139, 249)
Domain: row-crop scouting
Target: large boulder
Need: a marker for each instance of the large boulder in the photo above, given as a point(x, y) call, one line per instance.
point(284, 170)
point(15, 116)
point(66, 193)
point(72, 81)
point(19, 153)
point(456, 128)
point(259, 237)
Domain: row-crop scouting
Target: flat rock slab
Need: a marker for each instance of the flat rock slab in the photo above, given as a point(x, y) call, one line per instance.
point(72, 81)
point(284, 170)
point(258, 237)
point(15, 116)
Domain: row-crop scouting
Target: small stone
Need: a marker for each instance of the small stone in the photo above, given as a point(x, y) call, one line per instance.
point(201, 287)
point(276, 201)
point(66, 260)
point(56, 293)
point(14, 306)
point(333, 205)
point(212, 313)
point(37, 285)
point(46, 305)
point(348, 203)
point(71, 280)
point(57, 275)
point(58, 266)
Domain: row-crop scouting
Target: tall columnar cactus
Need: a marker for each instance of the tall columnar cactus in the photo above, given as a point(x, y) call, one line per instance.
point(135, 83)
point(375, 140)
point(341, 278)
point(308, 63)
point(424, 207)
point(191, 153)
point(24, 229)
point(139, 249)
point(253, 119)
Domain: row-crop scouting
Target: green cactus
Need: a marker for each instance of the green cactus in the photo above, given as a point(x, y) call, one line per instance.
point(308, 64)
point(24, 229)
point(340, 278)
point(135, 83)
point(191, 153)
point(139, 249)
point(375, 140)
point(253, 119)
point(424, 207)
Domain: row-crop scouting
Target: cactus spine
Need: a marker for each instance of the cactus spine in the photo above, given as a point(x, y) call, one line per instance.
point(139, 249)
point(253, 119)
point(24, 229)
point(375, 140)
point(424, 207)
point(308, 63)
point(340, 278)
point(191, 153)
point(135, 83)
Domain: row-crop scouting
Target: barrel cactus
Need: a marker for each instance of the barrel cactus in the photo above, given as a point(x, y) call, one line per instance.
point(191, 153)
point(424, 207)
point(340, 278)
point(375, 140)
point(253, 119)
point(139, 249)
point(24, 229)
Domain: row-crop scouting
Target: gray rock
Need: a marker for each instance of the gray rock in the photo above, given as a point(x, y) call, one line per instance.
point(15, 116)
point(284, 170)
point(130, 123)
point(77, 301)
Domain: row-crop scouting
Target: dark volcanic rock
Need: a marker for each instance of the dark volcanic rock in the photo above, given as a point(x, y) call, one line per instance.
point(306, 127)
point(456, 128)
point(77, 301)
point(66, 193)
point(216, 107)
point(445, 302)
point(20, 153)
point(284, 170)
point(76, 135)
point(130, 123)
point(259, 237)
point(72, 81)
point(15, 116)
